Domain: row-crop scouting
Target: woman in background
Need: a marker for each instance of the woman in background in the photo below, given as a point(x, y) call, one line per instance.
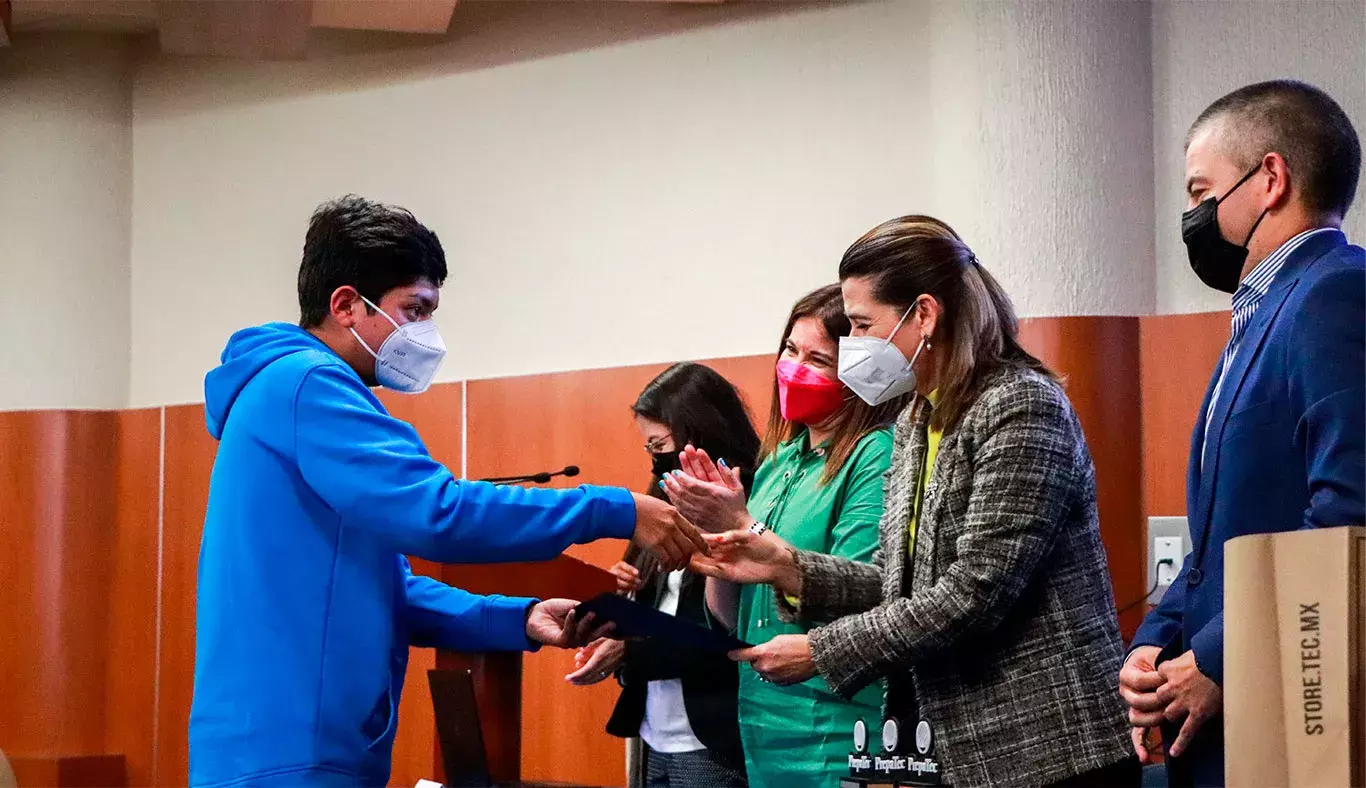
point(819, 486)
point(680, 702)
point(989, 610)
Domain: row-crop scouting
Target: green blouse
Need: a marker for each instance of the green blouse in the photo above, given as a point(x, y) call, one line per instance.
point(801, 735)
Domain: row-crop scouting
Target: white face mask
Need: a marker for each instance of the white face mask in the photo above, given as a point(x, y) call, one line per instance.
point(874, 369)
point(409, 357)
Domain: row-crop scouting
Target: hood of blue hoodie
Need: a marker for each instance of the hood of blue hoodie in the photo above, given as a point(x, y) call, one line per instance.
point(248, 352)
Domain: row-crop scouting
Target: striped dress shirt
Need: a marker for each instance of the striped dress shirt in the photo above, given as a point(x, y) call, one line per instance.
point(1249, 294)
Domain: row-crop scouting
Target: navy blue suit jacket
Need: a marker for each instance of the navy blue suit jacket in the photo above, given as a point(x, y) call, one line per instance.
point(1286, 449)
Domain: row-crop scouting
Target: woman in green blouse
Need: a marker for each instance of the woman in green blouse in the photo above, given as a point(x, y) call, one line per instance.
point(819, 487)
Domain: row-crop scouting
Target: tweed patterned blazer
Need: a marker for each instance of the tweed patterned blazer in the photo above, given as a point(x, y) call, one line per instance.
point(1001, 627)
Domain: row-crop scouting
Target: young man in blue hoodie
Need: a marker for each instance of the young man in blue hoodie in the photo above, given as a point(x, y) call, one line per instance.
point(307, 605)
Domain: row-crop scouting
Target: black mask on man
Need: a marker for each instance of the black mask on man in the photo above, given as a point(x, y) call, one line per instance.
point(1218, 262)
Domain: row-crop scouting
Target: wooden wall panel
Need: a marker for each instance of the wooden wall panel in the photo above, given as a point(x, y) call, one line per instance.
point(28, 619)
point(1179, 353)
point(1099, 360)
point(437, 416)
point(56, 533)
point(415, 750)
point(753, 375)
point(78, 771)
point(131, 666)
point(189, 459)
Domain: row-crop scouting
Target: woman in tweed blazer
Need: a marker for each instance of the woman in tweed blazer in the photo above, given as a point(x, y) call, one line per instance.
point(988, 606)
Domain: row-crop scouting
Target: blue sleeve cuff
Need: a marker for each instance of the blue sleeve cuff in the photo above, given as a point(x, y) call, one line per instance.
point(1155, 631)
point(1208, 645)
point(505, 624)
point(614, 512)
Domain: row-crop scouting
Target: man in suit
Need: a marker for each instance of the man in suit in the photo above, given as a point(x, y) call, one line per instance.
point(1271, 169)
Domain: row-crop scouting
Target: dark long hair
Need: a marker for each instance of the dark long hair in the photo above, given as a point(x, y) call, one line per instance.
point(856, 418)
point(912, 256)
point(702, 408)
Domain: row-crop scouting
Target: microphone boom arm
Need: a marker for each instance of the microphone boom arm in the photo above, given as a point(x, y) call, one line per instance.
point(534, 478)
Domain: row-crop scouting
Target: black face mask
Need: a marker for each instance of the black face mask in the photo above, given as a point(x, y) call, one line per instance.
point(1217, 262)
point(664, 462)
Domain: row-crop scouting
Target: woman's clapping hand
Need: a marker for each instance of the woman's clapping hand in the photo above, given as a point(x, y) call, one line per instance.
point(709, 495)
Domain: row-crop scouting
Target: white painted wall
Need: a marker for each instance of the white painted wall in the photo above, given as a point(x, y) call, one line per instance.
point(663, 195)
point(1042, 148)
point(65, 216)
point(616, 183)
point(1202, 50)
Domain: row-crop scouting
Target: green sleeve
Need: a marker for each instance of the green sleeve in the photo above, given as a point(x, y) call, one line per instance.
point(855, 533)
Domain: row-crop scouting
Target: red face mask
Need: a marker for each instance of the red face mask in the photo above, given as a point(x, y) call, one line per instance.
point(806, 396)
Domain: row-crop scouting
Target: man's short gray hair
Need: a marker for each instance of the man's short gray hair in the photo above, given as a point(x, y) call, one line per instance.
point(1301, 123)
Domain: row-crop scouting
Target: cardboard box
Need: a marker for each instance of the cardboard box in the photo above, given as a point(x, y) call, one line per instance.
point(1294, 623)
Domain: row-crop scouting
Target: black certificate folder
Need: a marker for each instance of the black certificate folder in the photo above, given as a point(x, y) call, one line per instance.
point(634, 620)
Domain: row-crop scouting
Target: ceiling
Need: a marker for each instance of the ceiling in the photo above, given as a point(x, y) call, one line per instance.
point(255, 29)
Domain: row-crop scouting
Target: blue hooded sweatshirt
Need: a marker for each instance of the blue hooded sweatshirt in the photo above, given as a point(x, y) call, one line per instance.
point(306, 604)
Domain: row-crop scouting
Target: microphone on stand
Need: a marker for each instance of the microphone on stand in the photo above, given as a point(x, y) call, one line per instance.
point(534, 478)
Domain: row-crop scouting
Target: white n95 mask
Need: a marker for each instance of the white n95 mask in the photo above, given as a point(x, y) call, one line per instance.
point(409, 357)
point(874, 369)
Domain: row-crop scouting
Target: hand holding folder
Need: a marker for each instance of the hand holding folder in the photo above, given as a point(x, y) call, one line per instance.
point(634, 620)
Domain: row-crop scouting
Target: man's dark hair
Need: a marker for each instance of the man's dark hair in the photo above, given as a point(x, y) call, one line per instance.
point(1305, 126)
point(370, 246)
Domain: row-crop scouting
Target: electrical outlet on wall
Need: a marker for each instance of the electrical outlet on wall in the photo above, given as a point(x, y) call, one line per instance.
point(1167, 555)
point(1168, 543)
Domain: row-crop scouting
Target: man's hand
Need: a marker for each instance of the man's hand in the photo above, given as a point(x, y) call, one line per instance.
point(665, 533)
point(1144, 744)
point(628, 577)
point(783, 660)
point(596, 661)
point(553, 623)
point(1190, 695)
